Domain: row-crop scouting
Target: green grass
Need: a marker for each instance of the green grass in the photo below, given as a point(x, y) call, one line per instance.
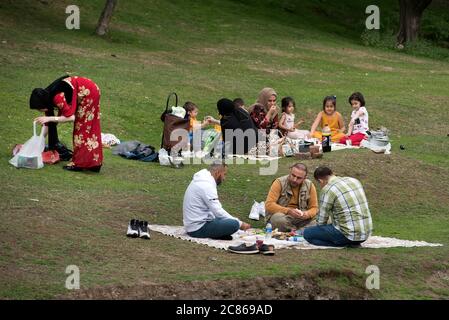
point(204, 51)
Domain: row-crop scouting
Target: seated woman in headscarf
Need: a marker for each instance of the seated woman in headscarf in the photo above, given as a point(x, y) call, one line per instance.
point(76, 99)
point(233, 118)
point(264, 112)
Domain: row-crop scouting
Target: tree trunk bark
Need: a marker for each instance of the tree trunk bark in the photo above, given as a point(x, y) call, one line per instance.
point(410, 19)
point(105, 18)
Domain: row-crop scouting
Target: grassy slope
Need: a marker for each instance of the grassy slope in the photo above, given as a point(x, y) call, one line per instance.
point(204, 51)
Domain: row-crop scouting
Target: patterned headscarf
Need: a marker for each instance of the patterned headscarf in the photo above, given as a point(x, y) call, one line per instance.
point(264, 96)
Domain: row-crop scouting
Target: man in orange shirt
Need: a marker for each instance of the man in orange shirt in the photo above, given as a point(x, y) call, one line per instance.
point(292, 201)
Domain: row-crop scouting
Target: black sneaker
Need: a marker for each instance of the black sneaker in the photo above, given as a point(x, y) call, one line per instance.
point(144, 231)
point(133, 229)
point(267, 249)
point(65, 154)
point(244, 248)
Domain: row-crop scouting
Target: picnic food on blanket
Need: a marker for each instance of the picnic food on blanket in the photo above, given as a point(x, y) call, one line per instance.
point(280, 235)
point(253, 232)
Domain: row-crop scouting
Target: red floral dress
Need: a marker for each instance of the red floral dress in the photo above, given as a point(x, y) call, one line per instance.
point(258, 115)
point(85, 105)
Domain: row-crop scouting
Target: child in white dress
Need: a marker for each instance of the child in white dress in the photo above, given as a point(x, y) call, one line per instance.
point(287, 123)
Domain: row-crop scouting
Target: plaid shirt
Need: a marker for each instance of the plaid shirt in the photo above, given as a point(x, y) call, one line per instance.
point(344, 201)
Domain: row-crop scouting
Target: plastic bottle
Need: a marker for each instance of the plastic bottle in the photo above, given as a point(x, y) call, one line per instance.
point(268, 231)
point(326, 142)
point(208, 143)
point(295, 239)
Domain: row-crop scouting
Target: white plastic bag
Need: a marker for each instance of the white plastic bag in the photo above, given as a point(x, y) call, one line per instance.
point(254, 214)
point(163, 158)
point(166, 160)
point(30, 155)
point(257, 210)
point(262, 209)
point(178, 111)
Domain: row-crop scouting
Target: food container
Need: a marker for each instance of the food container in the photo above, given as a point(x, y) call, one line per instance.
point(304, 146)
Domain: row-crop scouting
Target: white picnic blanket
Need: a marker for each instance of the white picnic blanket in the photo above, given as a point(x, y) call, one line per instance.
point(253, 158)
point(249, 236)
point(188, 156)
point(339, 146)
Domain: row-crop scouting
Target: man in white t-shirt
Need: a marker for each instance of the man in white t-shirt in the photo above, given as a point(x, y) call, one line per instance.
point(203, 215)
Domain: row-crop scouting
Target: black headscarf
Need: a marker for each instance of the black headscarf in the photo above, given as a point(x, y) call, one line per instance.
point(43, 99)
point(39, 99)
point(225, 107)
point(235, 118)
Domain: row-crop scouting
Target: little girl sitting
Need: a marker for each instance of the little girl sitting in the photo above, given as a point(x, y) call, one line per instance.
point(330, 117)
point(287, 122)
point(192, 110)
point(195, 125)
point(359, 120)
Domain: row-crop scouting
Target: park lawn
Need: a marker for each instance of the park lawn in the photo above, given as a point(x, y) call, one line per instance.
point(50, 218)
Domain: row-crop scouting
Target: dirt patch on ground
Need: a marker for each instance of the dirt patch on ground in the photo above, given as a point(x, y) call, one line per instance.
point(275, 70)
point(439, 279)
point(141, 31)
point(364, 54)
point(373, 67)
point(302, 287)
point(149, 58)
point(273, 52)
point(71, 50)
point(210, 51)
point(142, 57)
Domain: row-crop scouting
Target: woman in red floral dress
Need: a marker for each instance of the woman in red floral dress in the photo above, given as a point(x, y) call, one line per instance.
point(77, 99)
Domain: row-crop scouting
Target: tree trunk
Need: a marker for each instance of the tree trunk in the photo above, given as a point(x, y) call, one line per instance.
point(410, 19)
point(105, 18)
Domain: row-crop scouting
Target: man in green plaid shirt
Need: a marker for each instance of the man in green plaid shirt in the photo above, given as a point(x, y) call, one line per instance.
point(344, 202)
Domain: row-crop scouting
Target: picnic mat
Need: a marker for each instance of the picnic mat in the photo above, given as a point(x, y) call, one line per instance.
point(250, 236)
point(339, 146)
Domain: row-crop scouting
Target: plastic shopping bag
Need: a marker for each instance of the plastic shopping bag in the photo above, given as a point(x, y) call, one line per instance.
point(30, 155)
point(163, 157)
point(262, 209)
point(254, 214)
point(257, 210)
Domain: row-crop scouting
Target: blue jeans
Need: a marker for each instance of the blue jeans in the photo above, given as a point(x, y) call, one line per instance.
point(327, 236)
point(217, 228)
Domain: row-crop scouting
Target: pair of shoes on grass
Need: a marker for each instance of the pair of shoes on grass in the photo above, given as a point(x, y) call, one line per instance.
point(137, 228)
point(265, 249)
